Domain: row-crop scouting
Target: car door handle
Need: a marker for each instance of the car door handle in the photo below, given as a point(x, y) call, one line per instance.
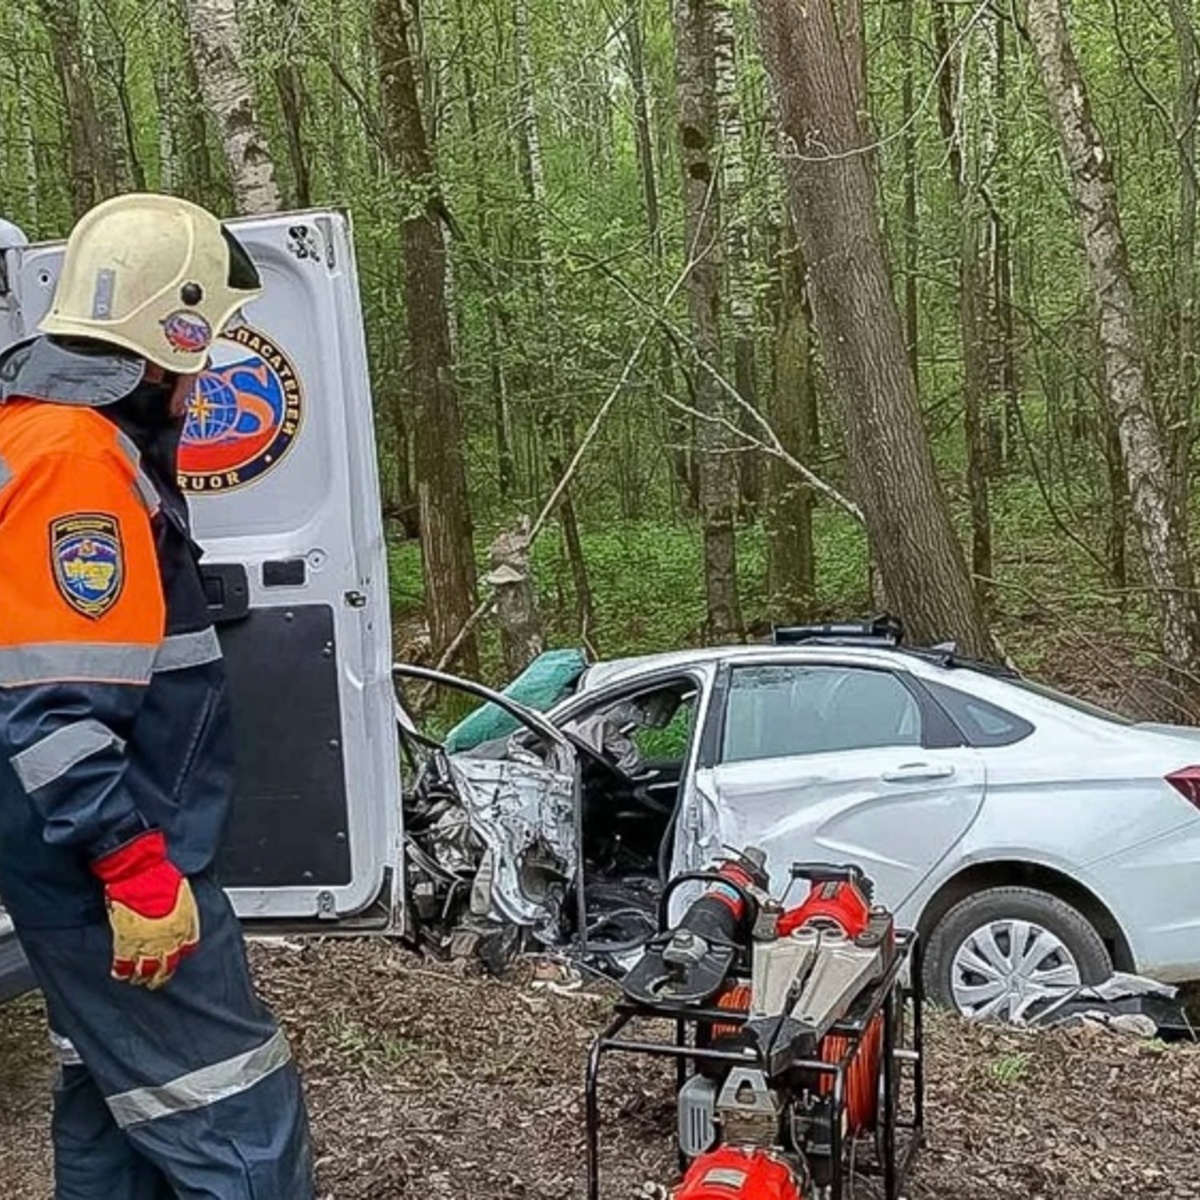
point(918, 772)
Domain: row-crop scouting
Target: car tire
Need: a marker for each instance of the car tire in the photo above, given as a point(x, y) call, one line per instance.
point(1043, 941)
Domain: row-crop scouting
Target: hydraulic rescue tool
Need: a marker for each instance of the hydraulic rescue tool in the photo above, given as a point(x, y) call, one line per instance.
point(797, 1043)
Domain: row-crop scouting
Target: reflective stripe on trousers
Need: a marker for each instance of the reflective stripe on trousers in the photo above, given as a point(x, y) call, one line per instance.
point(206, 1086)
point(192, 1084)
point(65, 1053)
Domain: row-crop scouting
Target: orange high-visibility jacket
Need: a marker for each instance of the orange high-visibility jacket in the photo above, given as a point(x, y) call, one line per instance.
point(113, 716)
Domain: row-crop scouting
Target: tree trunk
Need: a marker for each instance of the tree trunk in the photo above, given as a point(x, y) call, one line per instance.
point(516, 603)
point(791, 562)
point(214, 42)
point(448, 553)
point(1161, 523)
point(92, 164)
point(912, 243)
point(695, 82)
point(972, 310)
point(168, 142)
point(289, 83)
point(1186, 114)
point(112, 59)
point(816, 78)
point(29, 156)
point(556, 421)
point(736, 233)
point(679, 434)
point(501, 417)
point(197, 176)
point(1003, 323)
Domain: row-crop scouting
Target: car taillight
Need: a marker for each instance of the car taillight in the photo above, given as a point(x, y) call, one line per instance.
point(1186, 781)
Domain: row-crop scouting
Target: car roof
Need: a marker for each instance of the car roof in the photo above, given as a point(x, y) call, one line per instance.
point(621, 670)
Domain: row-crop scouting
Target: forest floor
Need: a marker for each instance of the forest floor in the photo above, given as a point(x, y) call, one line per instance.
point(427, 1082)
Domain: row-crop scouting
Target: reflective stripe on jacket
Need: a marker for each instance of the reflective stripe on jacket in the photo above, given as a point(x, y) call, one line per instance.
point(113, 715)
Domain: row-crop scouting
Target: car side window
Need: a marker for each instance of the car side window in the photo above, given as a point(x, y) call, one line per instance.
point(779, 711)
point(982, 723)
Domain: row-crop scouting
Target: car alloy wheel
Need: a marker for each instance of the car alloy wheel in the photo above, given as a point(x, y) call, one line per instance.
point(1002, 968)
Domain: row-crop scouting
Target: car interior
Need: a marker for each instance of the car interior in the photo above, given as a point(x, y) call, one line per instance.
point(633, 752)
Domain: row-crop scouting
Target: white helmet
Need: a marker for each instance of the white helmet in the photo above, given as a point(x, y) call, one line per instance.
point(153, 274)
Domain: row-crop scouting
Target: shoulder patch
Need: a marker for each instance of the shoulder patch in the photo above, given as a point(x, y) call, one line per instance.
point(88, 561)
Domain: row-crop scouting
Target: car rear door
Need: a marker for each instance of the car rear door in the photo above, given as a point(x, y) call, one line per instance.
point(278, 459)
point(830, 762)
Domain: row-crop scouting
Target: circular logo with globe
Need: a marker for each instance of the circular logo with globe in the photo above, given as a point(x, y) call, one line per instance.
point(243, 415)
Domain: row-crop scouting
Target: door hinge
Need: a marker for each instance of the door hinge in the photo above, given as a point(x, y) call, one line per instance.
point(355, 599)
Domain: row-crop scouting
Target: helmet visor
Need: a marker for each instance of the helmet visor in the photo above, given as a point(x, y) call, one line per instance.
point(243, 274)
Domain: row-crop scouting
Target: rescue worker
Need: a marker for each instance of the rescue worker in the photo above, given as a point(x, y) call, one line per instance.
point(115, 735)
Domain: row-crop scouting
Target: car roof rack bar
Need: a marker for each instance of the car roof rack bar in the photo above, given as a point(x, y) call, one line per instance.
point(883, 630)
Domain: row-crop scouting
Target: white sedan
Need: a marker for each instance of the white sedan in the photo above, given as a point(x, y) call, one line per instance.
point(1036, 841)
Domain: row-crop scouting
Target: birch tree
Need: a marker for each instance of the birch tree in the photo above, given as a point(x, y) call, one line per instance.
point(1160, 521)
point(215, 45)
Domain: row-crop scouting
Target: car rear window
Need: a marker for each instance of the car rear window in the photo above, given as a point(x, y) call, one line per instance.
point(981, 723)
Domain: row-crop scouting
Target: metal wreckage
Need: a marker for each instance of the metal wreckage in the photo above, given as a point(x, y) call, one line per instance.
point(531, 830)
point(495, 839)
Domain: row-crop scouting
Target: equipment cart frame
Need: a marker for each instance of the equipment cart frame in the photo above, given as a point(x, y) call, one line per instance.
point(888, 995)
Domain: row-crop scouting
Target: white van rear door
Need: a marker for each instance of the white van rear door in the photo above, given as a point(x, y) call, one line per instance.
point(278, 459)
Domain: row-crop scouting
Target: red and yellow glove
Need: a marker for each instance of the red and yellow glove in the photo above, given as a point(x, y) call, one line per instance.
point(151, 910)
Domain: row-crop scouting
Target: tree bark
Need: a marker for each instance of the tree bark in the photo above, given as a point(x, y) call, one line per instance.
point(293, 101)
point(912, 242)
point(1186, 114)
point(214, 42)
point(446, 542)
point(197, 176)
point(696, 86)
point(1160, 521)
point(972, 310)
point(787, 517)
point(1003, 322)
point(92, 163)
point(517, 614)
point(816, 79)
point(736, 233)
point(556, 420)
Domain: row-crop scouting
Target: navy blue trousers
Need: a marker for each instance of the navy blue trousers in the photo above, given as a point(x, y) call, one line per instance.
point(187, 1092)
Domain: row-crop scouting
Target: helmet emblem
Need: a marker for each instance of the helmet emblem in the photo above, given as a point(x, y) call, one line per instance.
point(187, 332)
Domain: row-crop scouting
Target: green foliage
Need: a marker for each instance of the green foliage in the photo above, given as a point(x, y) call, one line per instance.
point(533, 368)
